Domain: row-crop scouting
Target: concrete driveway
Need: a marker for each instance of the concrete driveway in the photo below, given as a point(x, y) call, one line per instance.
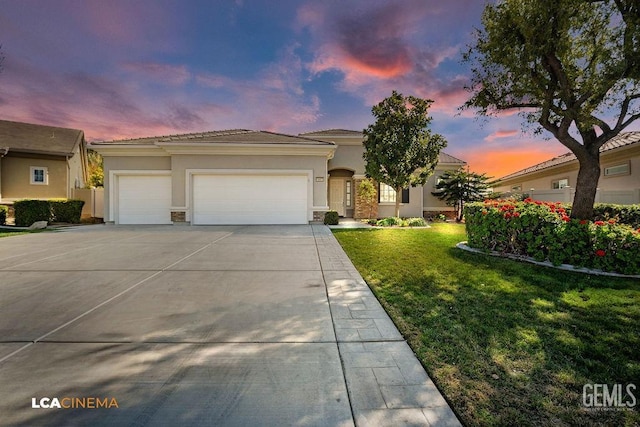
point(169, 325)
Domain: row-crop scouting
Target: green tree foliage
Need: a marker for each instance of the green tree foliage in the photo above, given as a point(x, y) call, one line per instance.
point(459, 186)
point(96, 172)
point(572, 67)
point(400, 150)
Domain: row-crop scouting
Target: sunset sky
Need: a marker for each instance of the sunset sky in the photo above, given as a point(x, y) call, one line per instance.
point(120, 69)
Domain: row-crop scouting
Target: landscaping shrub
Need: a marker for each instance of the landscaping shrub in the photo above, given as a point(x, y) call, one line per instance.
point(3, 215)
point(66, 210)
point(624, 214)
point(416, 222)
point(390, 222)
point(544, 231)
point(29, 211)
point(331, 218)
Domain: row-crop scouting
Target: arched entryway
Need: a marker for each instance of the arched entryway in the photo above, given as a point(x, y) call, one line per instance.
point(341, 192)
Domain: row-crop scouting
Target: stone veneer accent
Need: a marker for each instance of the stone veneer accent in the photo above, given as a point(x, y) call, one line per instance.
point(178, 216)
point(318, 216)
point(362, 210)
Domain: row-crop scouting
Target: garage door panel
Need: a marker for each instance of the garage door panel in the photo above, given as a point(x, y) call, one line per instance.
point(250, 199)
point(144, 199)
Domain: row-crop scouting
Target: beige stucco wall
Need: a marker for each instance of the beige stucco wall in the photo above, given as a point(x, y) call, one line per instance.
point(411, 209)
point(76, 176)
point(348, 157)
point(16, 177)
point(430, 202)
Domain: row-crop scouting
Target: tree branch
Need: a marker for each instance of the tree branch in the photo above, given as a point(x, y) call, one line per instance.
point(623, 111)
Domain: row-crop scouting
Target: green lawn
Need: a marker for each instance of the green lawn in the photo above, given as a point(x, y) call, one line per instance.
point(508, 343)
point(5, 233)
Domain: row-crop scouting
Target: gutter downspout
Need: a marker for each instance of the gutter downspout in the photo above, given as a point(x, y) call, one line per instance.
point(68, 178)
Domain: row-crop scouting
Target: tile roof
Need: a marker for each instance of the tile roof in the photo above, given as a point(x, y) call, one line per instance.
point(443, 157)
point(38, 139)
point(231, 136)
point(334, 132)
point(448, 158)
point(622, 140)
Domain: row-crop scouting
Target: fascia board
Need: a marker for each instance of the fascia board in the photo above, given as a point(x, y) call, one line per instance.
point(247, 149)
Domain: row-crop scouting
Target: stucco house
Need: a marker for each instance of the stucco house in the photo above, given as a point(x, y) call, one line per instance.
point(555, 179)
point(347, 169)
point(40, 162)
point(244, 177)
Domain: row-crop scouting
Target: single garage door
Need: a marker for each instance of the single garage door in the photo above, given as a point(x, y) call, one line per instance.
point(144, 199)
point(250, 199)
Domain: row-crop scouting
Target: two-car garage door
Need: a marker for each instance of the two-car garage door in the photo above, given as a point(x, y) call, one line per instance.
point(216, 199)
point(249, 199)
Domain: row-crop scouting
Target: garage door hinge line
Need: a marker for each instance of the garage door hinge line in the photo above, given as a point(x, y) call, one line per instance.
point(80, 316)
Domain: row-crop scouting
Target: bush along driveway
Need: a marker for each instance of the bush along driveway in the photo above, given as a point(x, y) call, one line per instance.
point(508, 343)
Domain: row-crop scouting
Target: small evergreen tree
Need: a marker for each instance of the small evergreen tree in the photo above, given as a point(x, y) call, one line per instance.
point(460, 186)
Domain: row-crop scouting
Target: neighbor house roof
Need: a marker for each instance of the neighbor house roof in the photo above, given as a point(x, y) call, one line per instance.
point(334, 132)
point(39, 139)
point(231, 136)
point(622, 140)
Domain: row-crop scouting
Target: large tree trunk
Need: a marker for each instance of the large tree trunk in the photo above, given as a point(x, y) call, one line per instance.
point(398, 198)
point(587, 184)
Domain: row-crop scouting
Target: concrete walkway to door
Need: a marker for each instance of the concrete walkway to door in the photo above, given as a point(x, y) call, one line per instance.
point(234, 325)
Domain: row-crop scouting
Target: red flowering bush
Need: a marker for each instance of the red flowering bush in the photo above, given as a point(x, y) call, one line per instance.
point(544, 231)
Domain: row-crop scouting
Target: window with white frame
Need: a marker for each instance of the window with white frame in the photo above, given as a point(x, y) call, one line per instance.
point(348, 193)
point(560, 184)
point(622, 169)
point(39, 175)
point(387, 194)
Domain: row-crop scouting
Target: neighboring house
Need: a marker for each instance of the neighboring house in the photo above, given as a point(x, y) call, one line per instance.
point(555, 179)
point(40, 162)
point(347, 169)
point(243, 177)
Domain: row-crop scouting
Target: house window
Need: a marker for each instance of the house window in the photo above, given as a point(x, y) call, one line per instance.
point(387, 194)
point(516, 188)
point(622, 169)
point(560, 184)
point(348, 194)
point(39, 175)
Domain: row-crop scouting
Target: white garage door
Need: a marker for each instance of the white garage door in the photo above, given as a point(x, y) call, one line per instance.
point(250, 199)
point(144, 199)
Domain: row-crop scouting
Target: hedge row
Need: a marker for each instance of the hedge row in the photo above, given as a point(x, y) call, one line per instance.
point(544, 231)
point(29, 211)
point(3, 214)
point(624, 214)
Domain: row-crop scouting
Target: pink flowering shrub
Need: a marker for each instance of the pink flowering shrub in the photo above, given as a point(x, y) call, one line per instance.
point(544, 231)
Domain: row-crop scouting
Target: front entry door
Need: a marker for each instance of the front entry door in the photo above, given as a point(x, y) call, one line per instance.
point(336, 195)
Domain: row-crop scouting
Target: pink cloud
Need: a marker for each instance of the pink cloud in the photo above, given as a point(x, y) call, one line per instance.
point(501, 134)
point(165, 73)
point(138, 23)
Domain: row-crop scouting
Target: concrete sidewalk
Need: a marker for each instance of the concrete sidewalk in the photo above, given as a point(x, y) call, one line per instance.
point(387, 385)
point(261, 325)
